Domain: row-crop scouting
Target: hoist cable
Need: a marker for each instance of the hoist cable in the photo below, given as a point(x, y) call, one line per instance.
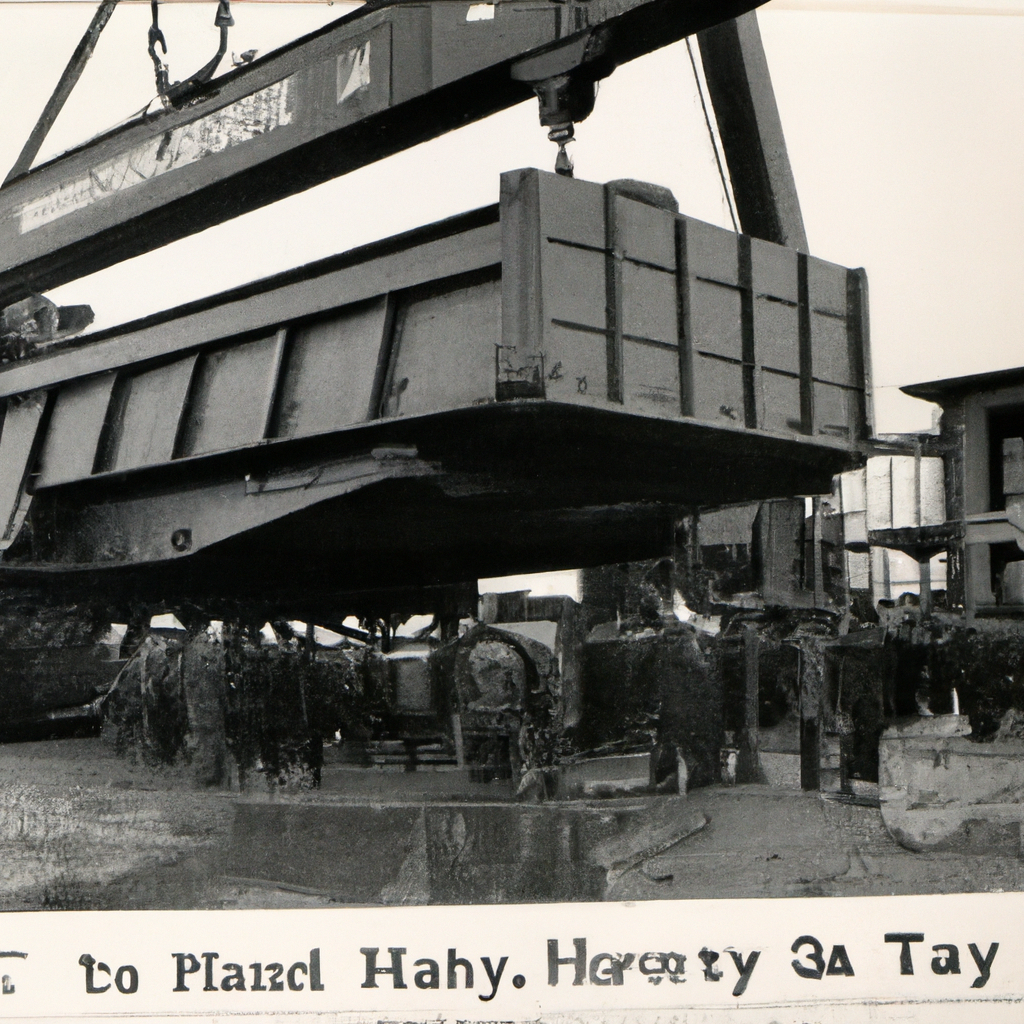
point(714, 141)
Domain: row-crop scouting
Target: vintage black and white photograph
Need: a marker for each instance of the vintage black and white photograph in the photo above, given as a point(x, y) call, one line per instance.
point(527, 451)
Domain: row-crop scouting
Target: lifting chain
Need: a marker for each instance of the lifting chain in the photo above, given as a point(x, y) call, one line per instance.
point(178, 93)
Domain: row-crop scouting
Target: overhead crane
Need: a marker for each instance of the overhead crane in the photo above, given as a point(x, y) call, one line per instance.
point(543, 382)
point(379, 80)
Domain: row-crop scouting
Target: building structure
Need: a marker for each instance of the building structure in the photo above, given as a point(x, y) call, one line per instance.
point(892, 512)
point(983, 530)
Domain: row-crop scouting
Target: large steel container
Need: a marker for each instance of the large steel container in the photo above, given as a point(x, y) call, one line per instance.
point(540, 383)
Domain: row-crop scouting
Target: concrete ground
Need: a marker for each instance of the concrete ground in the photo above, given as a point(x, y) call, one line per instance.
point(83, 829)
point(771, 842)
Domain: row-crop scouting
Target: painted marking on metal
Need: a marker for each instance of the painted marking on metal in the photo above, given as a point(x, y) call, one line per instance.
point(239, 122)
point(353, 71)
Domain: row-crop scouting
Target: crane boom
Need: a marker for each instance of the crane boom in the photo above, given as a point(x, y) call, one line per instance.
point(375, 82)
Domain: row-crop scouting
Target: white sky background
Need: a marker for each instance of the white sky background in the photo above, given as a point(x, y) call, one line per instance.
point(904, 120)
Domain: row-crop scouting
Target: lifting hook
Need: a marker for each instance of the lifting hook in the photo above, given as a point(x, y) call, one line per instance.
point(564, 80)
point(178, 93)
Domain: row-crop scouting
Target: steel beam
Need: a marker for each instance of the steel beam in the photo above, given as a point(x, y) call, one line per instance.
point(740, 87)
point(375, 82)
point(68, 81)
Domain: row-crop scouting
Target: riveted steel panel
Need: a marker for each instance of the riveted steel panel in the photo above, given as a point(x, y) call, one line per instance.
point(571, 211)
point(774, 271)
point(576, 366)
point(21, 420)
point(826, 285)
point(830, 349)
point(73, 435)
point(718, 390)
point(146, 423)
point(835, 410)
point(645, 233)
point(574, 285)
point(711, 252)
point(328, 379)
point(649, 307)
point(776, 294)
point(716, 320)
point(231, 398)
point(651, 375)
point(444, 350)
point(779, 411)
point(776, 328)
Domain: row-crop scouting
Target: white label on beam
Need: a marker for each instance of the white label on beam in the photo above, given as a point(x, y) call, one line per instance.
point(353, 71)
point(241, 121)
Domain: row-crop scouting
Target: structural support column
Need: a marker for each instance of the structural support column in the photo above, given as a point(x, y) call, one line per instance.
point(750, 760)
point(736, 71)
point(811, 672)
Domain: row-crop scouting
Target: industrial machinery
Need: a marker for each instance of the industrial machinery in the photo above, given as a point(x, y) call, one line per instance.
point(546, 380)
point(541, 383)
point(392, 74)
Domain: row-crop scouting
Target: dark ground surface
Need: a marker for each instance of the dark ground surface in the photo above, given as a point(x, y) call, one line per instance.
point(83, 829)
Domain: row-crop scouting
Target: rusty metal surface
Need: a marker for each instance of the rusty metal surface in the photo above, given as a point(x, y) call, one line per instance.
point(502, 398)
point(373, 83)
point(553, 485)
point(626, 303)
point(19, 442)
point(413, 258)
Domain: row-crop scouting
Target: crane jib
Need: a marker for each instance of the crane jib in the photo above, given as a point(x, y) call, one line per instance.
point(370, 84)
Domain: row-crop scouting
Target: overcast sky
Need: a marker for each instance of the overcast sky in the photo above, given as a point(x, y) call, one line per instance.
point(904, 120)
